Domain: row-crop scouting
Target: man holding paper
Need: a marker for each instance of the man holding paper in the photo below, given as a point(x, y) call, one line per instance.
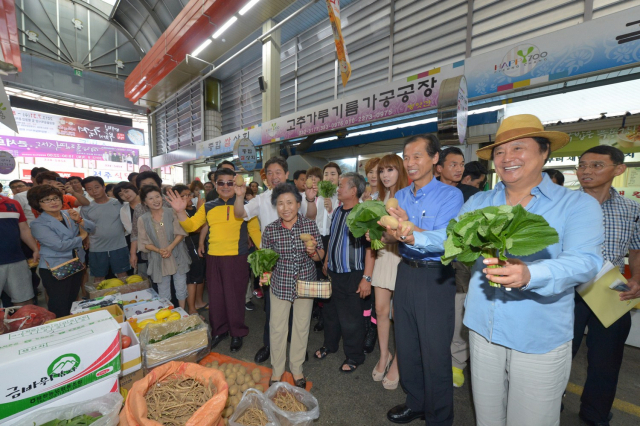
point(596, 170)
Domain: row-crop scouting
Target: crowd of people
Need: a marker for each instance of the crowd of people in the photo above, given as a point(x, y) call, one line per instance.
point(519, 343)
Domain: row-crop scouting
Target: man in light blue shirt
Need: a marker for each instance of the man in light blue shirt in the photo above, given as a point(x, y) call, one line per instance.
point(521, 339)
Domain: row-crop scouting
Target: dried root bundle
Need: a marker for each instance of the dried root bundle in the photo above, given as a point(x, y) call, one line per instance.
point(286, 401)
point(253, 417)
point(173, 401)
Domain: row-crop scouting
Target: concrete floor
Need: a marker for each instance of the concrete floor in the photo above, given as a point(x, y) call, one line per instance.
point(356, 400)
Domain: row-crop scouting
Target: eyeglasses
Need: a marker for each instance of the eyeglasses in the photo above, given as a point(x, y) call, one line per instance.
point(49, 200)
point(595, 166)
point(17, 185)
point(228, 183)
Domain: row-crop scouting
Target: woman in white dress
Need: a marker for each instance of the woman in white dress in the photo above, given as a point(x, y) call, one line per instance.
point(392, 177)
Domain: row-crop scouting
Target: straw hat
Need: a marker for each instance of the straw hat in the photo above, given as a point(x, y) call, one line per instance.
point(523, 126)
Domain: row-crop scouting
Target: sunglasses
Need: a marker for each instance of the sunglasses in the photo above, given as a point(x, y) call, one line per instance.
point(228, 183)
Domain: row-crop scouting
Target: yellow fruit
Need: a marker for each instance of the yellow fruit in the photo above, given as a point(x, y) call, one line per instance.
point(134, 279)
point(174, 316)
point(163, 313)
point(143, 324)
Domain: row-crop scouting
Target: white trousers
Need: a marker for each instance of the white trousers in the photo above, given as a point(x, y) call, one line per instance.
point(512, 388)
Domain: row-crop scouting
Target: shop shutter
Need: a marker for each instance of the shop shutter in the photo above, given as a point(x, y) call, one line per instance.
point(500, 23)
point(241, 99)
point(178, 122)
point(428, 34)
point(605, 7)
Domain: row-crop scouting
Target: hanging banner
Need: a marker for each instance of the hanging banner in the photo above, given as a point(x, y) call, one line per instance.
point(30, 147)
point(412, 94)
point(341, 47)
point(626, 139)
point(225, 143)
point(50, 124)
point(607, 42)
point(6, 116)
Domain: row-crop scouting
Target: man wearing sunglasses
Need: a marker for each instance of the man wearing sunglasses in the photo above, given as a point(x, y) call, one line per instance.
point(227, 268)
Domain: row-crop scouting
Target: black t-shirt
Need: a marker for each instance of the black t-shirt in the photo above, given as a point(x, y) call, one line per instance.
point(467, 191)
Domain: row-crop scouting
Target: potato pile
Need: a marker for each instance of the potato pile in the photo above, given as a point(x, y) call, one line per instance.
point(239, 380)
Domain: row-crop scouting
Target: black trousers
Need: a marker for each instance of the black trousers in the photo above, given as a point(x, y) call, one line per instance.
point(424, 308)
point(604, 357)
point(62, 293)
point(343, 316)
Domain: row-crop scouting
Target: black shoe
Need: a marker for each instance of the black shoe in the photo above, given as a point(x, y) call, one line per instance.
point(249, 306)
point(219, 338)
point(262, 355)
point(236, 344)
point(403, 414)
point(586, 421)
point(370, 339)
point(319, 325)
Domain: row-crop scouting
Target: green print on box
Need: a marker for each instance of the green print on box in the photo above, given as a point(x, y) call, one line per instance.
point(63, 365)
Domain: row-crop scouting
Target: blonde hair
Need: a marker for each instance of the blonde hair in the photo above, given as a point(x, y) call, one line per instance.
point(392, 160)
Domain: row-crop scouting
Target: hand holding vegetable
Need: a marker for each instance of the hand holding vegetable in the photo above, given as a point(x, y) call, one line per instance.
point(327, 205)
point(326, 189)
point(512, 273)
point(311, 193)
point(265, 279)
point(263, 260)
point(240, 190)
point(364, 217)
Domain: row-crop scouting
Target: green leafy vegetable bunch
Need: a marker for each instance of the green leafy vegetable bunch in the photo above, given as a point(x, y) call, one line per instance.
point(81, 420)
point(263, 260)
point(326, 189)
point(364, 217)
point(494, 231)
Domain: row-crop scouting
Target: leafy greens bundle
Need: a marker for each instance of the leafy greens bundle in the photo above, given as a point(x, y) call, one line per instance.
point(326, 189)
point(364, 217)
point(262, 261)
point(494, 231)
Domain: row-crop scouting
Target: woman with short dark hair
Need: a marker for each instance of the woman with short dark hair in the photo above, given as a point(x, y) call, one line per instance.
point(60, 234)
point(296, 262)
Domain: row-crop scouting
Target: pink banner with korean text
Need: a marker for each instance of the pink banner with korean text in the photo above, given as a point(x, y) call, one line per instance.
point(405, 96)
point(33, 147)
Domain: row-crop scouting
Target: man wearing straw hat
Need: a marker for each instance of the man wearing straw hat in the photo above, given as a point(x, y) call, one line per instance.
point(521, 339)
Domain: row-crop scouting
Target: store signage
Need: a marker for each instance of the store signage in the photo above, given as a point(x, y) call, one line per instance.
point(453, 107)
point(341, 48)
point(110, 175)
point(26, 174)
point(6, 116)
point(7, 163)
point(50, 124)
point(225, 143)
point(415, 93)
point(627, 139)
point(31, 147)
point(593, 46)
point(244, 153)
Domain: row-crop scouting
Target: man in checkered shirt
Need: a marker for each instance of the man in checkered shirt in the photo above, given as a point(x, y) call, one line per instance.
point(597, 168)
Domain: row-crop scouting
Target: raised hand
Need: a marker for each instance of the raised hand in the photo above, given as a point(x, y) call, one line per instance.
point(178, 204)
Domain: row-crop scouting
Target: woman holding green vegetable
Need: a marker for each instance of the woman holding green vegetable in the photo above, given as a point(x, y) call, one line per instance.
point(521, 340)
point(392, 177)
point(296, 262)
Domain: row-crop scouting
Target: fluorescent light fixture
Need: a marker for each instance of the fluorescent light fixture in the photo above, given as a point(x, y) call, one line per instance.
point(224, 27)
point(248, 6)
point(201, 47)
point(46, 99)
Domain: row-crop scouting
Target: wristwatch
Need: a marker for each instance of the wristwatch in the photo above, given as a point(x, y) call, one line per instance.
point(367, 278)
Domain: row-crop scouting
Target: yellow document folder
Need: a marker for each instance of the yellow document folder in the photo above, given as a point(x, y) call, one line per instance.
point(604, 301)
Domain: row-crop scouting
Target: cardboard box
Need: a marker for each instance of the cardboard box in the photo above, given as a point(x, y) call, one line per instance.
point(41, 364)
point(95, 390)
point(143, 308)
point(123, 289)
point(114, 310)
point(131, 358)
point(126, 382)
point(152, 315)
point(139, 297)
point(94, 304)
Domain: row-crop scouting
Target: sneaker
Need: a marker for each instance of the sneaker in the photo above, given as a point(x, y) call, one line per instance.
point(458, 377)
point(258, 293)
point(249, 306)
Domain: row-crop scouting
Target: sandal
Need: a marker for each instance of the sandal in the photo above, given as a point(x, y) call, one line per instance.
point(301, 383)
point(349, 363)
point(323, 353)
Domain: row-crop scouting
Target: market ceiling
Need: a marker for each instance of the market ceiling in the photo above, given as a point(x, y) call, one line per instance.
point(221, 23)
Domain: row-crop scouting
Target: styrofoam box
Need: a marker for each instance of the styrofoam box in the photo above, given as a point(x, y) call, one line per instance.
point(139, 297)
point(97, 303)
point(131, 357)
point(143, 308)
point(634, 334)
point(44, 363)
point(95, 390)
